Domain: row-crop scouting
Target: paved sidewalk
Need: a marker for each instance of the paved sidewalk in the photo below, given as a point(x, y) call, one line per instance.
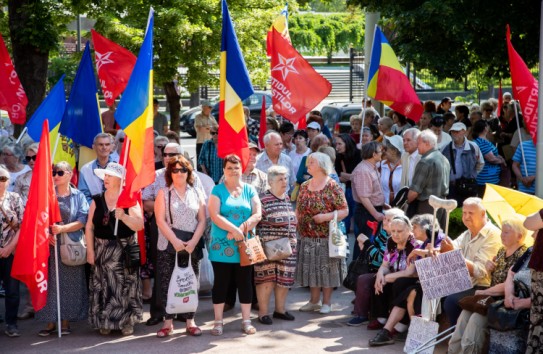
point(309, 333)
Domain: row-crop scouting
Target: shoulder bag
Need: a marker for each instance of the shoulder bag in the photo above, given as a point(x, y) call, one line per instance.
point(72, 253)
point(505, 319)
point(477, 303)
point(278, 249)
point(250, 251)
point(184, 236)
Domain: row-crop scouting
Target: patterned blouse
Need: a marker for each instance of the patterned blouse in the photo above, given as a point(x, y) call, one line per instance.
point(278, 219)
point(311, 203)
point(397, 259)
point(503, 264)
point(11, 213)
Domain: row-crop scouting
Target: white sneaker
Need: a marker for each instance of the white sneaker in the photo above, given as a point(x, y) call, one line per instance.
point(309, 307)
point(325, 309)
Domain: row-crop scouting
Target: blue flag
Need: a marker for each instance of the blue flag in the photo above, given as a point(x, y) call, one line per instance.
point(81, 121)
point(52, 108)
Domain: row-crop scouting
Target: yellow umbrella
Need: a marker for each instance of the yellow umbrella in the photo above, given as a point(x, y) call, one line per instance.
point(503, 203)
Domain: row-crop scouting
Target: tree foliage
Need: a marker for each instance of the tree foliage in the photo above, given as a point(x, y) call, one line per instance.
point(453, 38)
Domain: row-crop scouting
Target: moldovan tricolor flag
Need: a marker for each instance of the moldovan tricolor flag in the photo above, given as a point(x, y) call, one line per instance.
point(12, 95)
point(525, 88)
point(135, 114)
point(387, 81)
point(281, 25)
point(296, 87)
point(30, 264)
point(235, 86)
point(114, 65)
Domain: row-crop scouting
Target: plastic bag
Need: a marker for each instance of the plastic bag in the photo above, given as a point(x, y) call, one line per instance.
point(206, 273)
point(183, 290)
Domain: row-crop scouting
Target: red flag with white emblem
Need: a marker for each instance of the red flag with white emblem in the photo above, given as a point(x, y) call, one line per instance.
point(296, 87)
point(114, 65)
point(12, 95)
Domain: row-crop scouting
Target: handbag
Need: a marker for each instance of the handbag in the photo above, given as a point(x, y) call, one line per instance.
point(182, 235)
point(337, 243)
point(72, 253)
point(503, 319)
point(250, 251)
point(183, 290)
point(279, 249)
point(476, 303)
point(356, 268)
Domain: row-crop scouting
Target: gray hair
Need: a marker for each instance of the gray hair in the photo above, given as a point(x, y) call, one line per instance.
point(403, 219)
point(269, 135)
point(415, 133)
point(15, 149)
point(103, 136)
point(330, 151)
point(32, 147)
point(161, 138)
point(425, 222)
point(178, 148)
point(475, 201)
point(63, 165)
point(428, 137)
point(323, 161)
point(393, 212)
point(276, 171)
point(386, 121)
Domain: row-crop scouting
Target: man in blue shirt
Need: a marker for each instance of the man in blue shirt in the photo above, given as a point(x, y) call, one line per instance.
point(209, 160)
point(527, 164)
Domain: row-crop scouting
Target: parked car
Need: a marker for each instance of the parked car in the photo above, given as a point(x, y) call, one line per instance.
point(254, 102)
point(336, 116)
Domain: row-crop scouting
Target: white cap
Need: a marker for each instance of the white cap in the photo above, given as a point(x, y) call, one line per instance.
point(314, 125)
point(396, 141)
point(458, 126)
point(112, 169)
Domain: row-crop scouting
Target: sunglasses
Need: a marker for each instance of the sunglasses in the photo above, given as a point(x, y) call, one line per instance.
point(182, 170)
point(58, 173)
point(214, 133)
point(160, 147)
point(170, 154)
point(29, 158)
point(3, 179)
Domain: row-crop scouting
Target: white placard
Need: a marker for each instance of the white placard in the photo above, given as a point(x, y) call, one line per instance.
point(420, 331)
point(444, 275)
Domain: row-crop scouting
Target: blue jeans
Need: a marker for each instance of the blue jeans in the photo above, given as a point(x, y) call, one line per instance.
point(11, 287)
point(451, 307)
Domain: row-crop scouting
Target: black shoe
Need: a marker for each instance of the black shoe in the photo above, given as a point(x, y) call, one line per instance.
point(265, 320)
point(382, 338)
point(153, 321)
point(283, 316)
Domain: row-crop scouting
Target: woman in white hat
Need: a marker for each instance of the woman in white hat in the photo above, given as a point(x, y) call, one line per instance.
point(115, 301)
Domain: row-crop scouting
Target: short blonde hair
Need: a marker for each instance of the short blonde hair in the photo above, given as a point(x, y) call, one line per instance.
point(517, 226)
point(323, 161)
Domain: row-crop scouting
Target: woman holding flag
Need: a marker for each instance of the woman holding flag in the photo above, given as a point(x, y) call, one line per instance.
point(74, 301)
point(115, 291)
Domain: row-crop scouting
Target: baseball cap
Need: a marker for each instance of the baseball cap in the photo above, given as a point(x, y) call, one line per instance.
point(396, 141)
point(254, 146)
point(206, 103)
point(314, 125)
point(458, 126)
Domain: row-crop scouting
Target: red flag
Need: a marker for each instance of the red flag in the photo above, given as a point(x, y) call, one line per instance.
point(296, 87)
point(114, 65)
point(263, 125)
point(32, 253)
point(12, 95)
point(302, 123)
point(500, 101)
point(525, 88)
point(126, 199)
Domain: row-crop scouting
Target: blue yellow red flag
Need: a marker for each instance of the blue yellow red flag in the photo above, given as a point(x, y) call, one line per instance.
point(135, 113)
point(81, 121)
point(387, 81)
point(235, 86)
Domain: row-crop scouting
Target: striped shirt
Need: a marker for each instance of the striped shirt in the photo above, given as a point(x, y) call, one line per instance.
point(490, 172)
point(213, 163)
point(529, 156)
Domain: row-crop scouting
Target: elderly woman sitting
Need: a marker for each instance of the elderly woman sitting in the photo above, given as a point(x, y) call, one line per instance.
point(471, 328)
point(278, 221)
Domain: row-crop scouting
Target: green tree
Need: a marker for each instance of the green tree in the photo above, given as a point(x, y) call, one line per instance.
point(453, 38)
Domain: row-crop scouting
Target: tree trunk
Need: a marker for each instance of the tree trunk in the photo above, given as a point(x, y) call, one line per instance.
point(174, 103)
point(30, 62)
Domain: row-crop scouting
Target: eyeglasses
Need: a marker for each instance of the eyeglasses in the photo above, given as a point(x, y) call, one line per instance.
point(160, 147)
point(214, 133)
point(170, 154)
point(3, 179)
point(29, 158)
point(182, 170)
point(58, 173)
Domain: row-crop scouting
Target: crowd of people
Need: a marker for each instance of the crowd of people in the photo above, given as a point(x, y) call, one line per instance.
point(376, 180)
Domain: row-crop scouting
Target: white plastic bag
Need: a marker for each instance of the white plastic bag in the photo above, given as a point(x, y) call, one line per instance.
point(183, 290)
point(206, 273)
point(337, 242)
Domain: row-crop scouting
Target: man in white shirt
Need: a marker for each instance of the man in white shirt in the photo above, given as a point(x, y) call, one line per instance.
point(411, 156)
point(272, 155)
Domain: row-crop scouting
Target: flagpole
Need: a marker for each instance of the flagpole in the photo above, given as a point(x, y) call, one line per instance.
point(366, 78)
point(21, 135)
point(520, 139)
point(59, 323)
point(123, 181)
point(55, 148)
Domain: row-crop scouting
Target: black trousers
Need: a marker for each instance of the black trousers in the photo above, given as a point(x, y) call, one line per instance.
point(224, 274)
point(156, 307)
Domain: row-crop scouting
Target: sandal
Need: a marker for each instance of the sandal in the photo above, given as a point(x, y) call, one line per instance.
point(194, 331)
point(128, 330)
point(247, 327)
point(105, 331)
point(217, 328)
point(164, 332)
point(46, 332)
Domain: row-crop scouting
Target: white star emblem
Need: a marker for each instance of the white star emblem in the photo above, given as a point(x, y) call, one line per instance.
point(102, 59)
point(285, 66)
